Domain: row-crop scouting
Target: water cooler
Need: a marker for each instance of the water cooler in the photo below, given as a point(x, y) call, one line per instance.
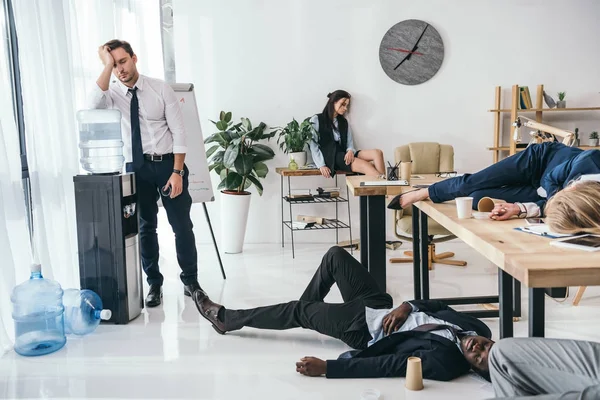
point(107, 218)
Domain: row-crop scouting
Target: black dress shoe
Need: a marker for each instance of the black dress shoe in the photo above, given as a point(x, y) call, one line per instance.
point(189, 290)
point(210, 311)
point(154, 297)
point(395, 203)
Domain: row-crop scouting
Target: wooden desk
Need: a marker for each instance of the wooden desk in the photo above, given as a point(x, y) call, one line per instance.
point(372, 220)
point(525, 257)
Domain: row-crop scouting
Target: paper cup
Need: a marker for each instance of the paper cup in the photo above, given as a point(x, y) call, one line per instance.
point(486, 204)
point(464, 207)
point(405, 170)
point(414, 374)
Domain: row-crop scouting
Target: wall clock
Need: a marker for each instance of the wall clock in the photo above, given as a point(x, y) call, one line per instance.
point(411, 52)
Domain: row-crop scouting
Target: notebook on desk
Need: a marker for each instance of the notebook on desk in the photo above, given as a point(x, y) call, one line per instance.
point(385, 183)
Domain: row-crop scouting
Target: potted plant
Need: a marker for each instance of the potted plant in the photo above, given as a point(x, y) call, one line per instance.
point(239, 160)
point(293, 138)
point(561, 100)
point(594, 139)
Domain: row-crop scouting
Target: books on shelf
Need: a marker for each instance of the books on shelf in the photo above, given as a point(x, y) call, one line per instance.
point(316, 220)
point(302, 225)
point(300, 194)
point(524, 98)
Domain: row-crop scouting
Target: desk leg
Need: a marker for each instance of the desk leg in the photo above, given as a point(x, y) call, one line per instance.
point(505, 288)
point(291, 217)
point(516, 298)
point(424, 256)
point(364, 231)
point(536, 312)
point(377, 263)
point(416, 243)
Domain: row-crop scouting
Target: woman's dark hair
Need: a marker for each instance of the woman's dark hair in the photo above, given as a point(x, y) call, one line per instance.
point(334, 97)
point(116, 43)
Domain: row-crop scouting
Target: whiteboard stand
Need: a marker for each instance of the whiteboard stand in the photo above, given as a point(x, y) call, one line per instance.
point(200, 186)
point(214, 240)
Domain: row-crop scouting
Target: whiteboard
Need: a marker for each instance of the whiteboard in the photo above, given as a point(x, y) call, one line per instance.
point(200, 186)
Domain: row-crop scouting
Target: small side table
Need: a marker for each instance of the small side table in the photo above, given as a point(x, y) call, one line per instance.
point(331, 224)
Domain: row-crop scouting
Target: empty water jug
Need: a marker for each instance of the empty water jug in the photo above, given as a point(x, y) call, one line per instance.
point(38, 315)
point(100, 141)
point(83, 311)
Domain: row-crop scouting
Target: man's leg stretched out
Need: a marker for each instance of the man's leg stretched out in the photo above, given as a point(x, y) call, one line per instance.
point(344, 321)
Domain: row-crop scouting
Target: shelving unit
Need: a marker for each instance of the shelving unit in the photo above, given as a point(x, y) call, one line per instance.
point(514, 111)
point(331, 223)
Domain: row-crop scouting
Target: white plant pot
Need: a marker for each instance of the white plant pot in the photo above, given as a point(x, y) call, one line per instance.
point(594, 142)
point(234, 218)
point(561, 104)
point(299, 157)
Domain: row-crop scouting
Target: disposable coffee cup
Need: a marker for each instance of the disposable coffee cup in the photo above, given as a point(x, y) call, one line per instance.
point(414, 374)
point(464, 207)
point(486, 204)
point(405, 170)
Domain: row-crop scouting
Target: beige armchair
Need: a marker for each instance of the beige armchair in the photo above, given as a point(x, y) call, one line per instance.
point(427, 158)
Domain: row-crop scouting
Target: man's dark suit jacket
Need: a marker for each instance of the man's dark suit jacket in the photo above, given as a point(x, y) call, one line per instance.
point(440, 358)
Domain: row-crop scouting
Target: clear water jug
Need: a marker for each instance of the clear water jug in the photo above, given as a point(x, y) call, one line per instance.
point(38, 314)
point(100, 141)
point(83, 311)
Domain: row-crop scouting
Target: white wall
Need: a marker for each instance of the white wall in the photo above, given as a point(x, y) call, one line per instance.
point(271, 60)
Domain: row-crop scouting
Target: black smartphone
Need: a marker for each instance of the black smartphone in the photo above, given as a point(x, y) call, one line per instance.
point(422, 186)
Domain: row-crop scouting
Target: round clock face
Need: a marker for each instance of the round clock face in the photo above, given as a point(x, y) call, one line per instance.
point(411, 52)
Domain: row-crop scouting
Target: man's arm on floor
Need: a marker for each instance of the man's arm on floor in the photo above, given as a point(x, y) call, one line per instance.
point(434, 364)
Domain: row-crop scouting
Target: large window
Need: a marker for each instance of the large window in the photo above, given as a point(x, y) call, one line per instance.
point(10, 78)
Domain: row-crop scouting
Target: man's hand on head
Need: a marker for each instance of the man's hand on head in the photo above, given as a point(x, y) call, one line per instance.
point(105, 56)
point(311, 366)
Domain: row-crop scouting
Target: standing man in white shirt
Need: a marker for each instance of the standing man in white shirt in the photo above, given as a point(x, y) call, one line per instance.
point(155, 148)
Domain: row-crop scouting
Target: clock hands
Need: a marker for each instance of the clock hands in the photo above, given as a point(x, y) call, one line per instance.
point(404, 51)
point(415, 47)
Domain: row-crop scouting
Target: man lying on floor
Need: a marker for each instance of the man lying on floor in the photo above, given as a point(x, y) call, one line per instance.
point(449, 343)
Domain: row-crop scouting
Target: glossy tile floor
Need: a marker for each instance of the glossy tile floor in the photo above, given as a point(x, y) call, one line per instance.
point(171, 352)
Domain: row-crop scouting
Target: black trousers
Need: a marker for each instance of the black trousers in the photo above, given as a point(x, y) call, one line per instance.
point(149, 180)
point(344, 321)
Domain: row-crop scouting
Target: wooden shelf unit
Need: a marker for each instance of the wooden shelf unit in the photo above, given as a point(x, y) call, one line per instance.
point(514, 111)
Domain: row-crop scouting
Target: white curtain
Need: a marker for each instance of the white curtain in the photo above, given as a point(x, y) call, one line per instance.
point(14, 236)
point(58, 40)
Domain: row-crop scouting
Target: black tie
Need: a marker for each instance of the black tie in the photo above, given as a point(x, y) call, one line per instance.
point(137, 151)
point(434, 327)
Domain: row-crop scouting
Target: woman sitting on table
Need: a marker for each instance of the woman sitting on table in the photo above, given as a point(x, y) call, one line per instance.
point(332, 147)
point(527, 182)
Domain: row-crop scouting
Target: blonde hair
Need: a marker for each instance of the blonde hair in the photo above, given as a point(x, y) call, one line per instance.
point(575, 209)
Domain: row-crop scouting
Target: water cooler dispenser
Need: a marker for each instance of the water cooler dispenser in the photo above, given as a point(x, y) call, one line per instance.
point(107, 218)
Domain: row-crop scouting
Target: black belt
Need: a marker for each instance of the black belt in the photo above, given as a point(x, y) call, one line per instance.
point(158, 157)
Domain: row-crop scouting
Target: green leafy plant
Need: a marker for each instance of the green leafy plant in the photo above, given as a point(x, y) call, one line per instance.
point(294, 137)
point(594, 135)
point(561, 96)
point(237, 157)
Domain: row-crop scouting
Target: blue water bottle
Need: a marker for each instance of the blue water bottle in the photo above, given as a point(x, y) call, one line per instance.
point(83, 311)
point(38, 314)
